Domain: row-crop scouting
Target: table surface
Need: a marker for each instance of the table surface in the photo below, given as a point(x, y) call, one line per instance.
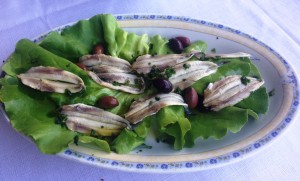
point(274, 23)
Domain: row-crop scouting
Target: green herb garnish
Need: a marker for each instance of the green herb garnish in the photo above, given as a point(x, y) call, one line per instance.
point(93, 133)
point(115, 83)
point(154, 73)
point(245, 80)
point(76, 139)
point(150, 103)
point(145, 146)
point(186, 66)
point(178, 91)
point(202, 58)
point(169, 71)
point(271, 93)
point(138, 83)
point(61, 120)
point(68, 92)
point(127, 82)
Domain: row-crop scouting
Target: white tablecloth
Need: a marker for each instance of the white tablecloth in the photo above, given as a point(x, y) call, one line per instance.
point(276, 23)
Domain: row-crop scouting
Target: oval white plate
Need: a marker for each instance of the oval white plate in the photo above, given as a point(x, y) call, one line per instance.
point(161, 158)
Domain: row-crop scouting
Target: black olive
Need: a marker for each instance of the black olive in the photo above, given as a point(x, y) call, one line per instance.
point(163, 85)
point(185, 41)
point(175, 45)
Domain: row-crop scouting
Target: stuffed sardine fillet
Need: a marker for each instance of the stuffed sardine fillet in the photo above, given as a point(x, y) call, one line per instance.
point(113, 72)
point(147, 106)
point(85, 119)
point(186, 74)
point(229, 91)
point(51, 79)
point(144, 64)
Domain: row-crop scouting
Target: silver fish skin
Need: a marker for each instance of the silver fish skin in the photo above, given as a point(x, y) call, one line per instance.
point(113, 72)
point(101, 59)
point(84, 118)
point(144, 63)
point(51, 79)
point(185, 77)
point(149, 106)
point(229, 91)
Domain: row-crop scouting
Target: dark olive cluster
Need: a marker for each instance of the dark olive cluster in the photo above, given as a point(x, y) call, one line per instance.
point(179, 43)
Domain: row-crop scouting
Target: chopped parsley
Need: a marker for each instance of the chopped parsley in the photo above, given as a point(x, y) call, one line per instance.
point(186, 66)
point(169, 71)
point(68, 92)
point(150, 103)
point(223, 62)
point(202, 58)
point(271, 93)
point(178, 91)
point(138, 83)
point(61, 120)
point(145, 146)
point(127, 82)
point(115, 83)
point(213, 50)
point(156, 73)
point(245, 80)
point(157, 98)
point(93, 133)
point(187, 111)
point(76, 139)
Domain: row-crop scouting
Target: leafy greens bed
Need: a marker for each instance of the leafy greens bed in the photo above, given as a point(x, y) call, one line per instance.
point(34, 113)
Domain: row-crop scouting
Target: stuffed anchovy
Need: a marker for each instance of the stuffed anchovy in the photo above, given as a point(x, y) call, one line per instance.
point(114, 73)
point(51, 79)
point(147, 106)
point(229, 91)
point(144, 64)
point(84, 119)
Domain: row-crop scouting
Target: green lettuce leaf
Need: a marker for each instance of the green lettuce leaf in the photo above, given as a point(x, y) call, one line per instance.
point(196, 46)
point(121, 43)
point(172, 125)
point(257, 101)
point(216, 124)
point(159, 46)
point(128, 140)
point(77, 40)
point(30, 112)
point(94, 143)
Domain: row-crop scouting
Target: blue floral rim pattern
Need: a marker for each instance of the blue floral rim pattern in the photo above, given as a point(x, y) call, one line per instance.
point(291, 79)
